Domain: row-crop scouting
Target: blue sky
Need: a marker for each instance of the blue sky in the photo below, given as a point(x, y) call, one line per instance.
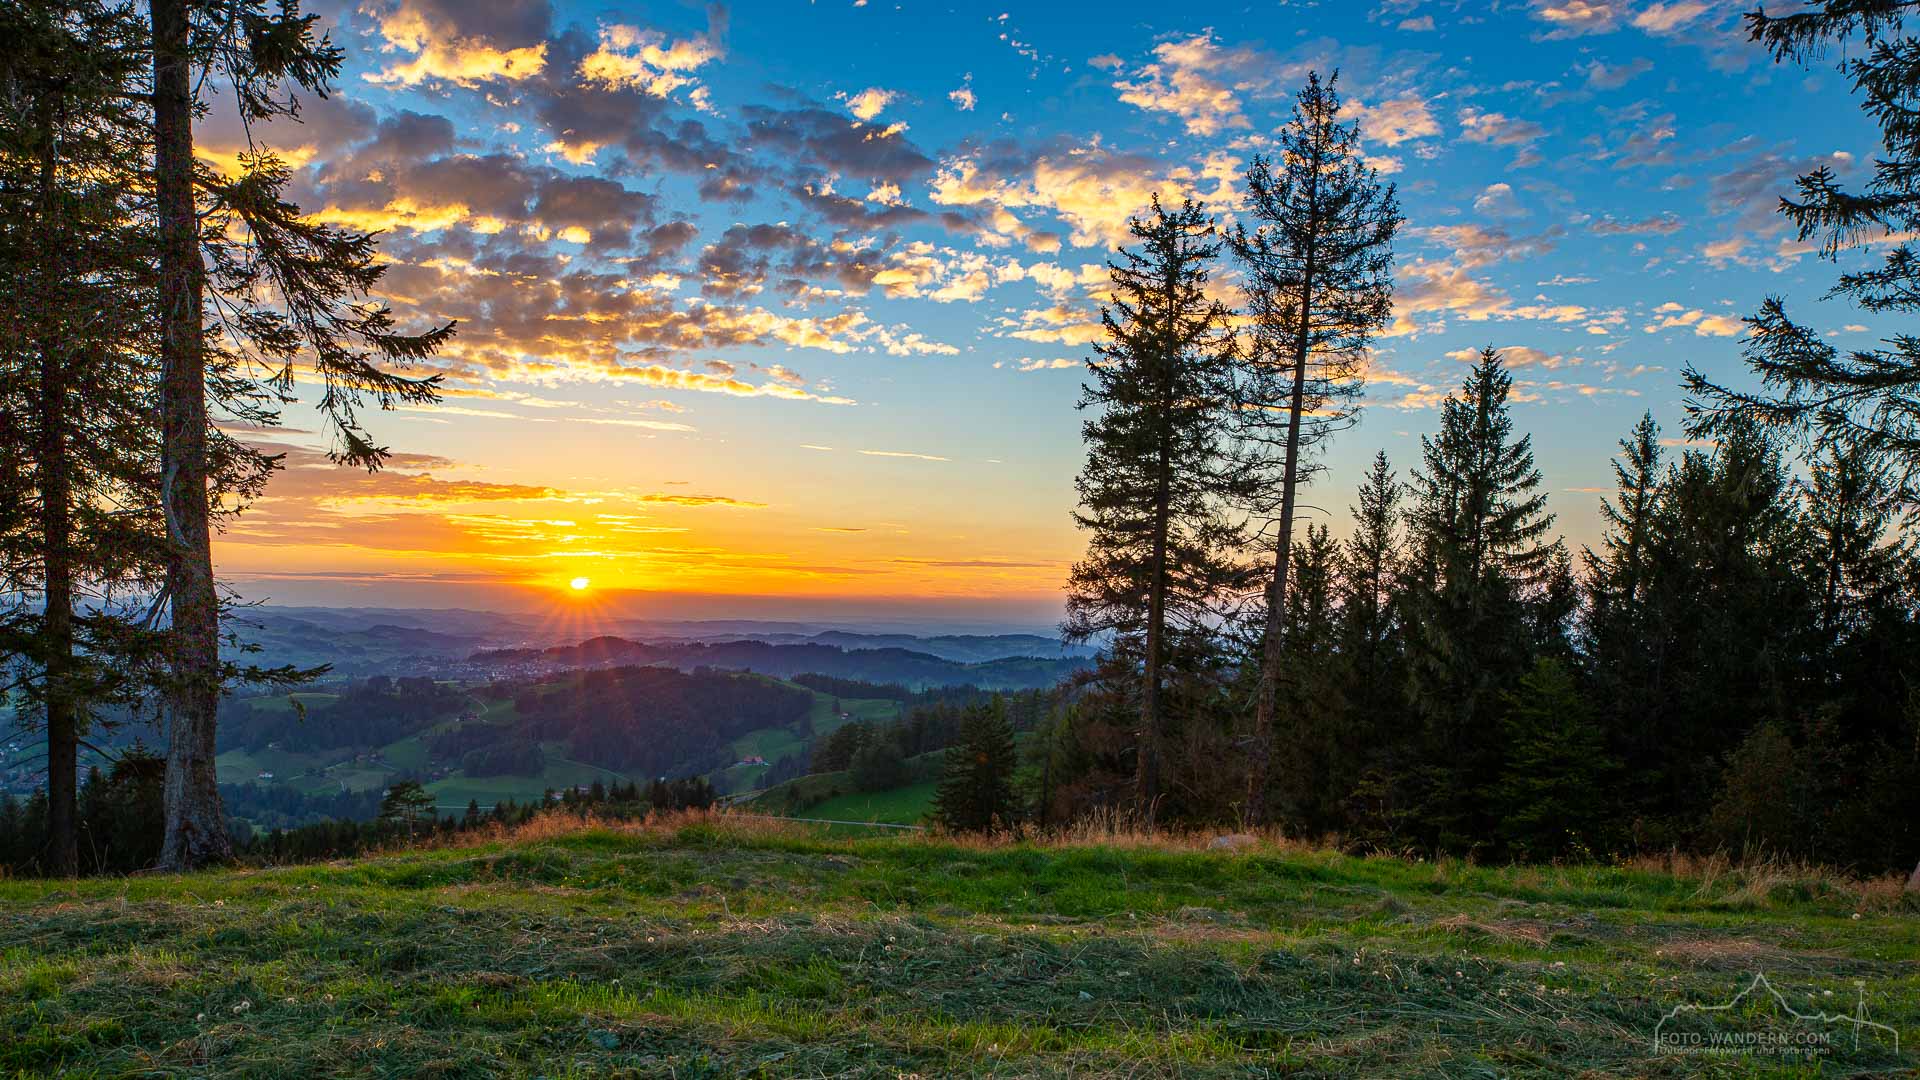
point(789, 300)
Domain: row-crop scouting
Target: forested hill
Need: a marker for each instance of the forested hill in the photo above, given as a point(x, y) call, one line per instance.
point(889, 665)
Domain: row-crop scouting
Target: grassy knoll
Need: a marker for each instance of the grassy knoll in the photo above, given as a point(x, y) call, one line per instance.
point(729, 948)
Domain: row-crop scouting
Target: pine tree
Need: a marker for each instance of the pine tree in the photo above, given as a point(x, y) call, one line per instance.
point(406, 805)
point(1319, 287)
point(288, 289)
point(1477, 523)
point(1810, 388)
point(1159, 553)
point(976, 788)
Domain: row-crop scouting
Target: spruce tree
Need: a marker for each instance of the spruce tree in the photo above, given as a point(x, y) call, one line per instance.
point(1859, 549)
point(1477, 524)
point(1553, 791)
point(976, 787)
point(1729, 615)
point(1319, 287)
point(1160, 546)
point(75, 378)
point(1370, 582)
point(1810, 387)
point(1318, 755)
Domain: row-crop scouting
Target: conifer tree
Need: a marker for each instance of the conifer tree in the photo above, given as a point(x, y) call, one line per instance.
point(1160, 548)
point(1859, 550)
point(284, 288)
point(1553, 788)
point(407, 805)
point(75, 377)
point(1370, 565)
point(1319, 287)
point(1810, 387)
point(1477, 523)
point(1318, 754)
point(1730, 612)
point(976, 788)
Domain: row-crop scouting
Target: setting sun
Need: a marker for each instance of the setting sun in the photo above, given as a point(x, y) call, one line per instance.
point(579, 584)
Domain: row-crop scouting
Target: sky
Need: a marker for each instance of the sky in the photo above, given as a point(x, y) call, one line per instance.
point(781, 308)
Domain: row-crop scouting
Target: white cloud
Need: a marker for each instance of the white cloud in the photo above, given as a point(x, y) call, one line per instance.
point(868, 103)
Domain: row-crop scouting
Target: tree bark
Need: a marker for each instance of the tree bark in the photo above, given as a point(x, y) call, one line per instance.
point(1260, 757)
point(56, 531)
point(56, 537)
point(1147, 779)
point(63, 734)
point(196, 832)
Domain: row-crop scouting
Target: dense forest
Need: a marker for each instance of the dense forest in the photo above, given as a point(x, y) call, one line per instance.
point(653, 721)
point(372, 712)
point(1734, 665)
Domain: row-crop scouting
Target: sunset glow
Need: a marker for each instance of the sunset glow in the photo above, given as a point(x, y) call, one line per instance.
point(795, 304)
point(579, 584)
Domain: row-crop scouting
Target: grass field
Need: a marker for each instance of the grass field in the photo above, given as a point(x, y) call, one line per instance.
point(732, 948)
point(453, 793)
point(901, 806)
point(826, 721)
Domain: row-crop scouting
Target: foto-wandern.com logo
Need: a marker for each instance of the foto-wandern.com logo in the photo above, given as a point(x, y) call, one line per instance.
point(1760, 1020)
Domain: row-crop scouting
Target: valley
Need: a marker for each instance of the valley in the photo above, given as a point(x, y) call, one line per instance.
point(481, 715)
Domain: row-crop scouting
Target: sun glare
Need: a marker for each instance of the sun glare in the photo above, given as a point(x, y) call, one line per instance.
point(579, 584)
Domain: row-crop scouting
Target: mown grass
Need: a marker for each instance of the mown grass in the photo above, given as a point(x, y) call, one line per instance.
point(731, 947)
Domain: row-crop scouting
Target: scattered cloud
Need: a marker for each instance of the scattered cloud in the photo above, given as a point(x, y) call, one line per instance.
point(868, 103)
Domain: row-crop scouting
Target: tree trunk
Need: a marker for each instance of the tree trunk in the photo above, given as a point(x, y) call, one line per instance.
point(1260, 757)
point(1147, 779)
point(56, 531)
point(56, 528)
point(196, 832)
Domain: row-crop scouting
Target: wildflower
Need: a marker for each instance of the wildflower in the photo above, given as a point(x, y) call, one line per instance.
point(242, 1007)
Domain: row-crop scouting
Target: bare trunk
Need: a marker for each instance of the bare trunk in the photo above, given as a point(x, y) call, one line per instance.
point(1266, 706)
point(63, 750)
point(196, 832)
point(56, 537)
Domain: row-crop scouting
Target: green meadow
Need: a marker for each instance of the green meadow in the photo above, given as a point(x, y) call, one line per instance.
point(730, 947)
